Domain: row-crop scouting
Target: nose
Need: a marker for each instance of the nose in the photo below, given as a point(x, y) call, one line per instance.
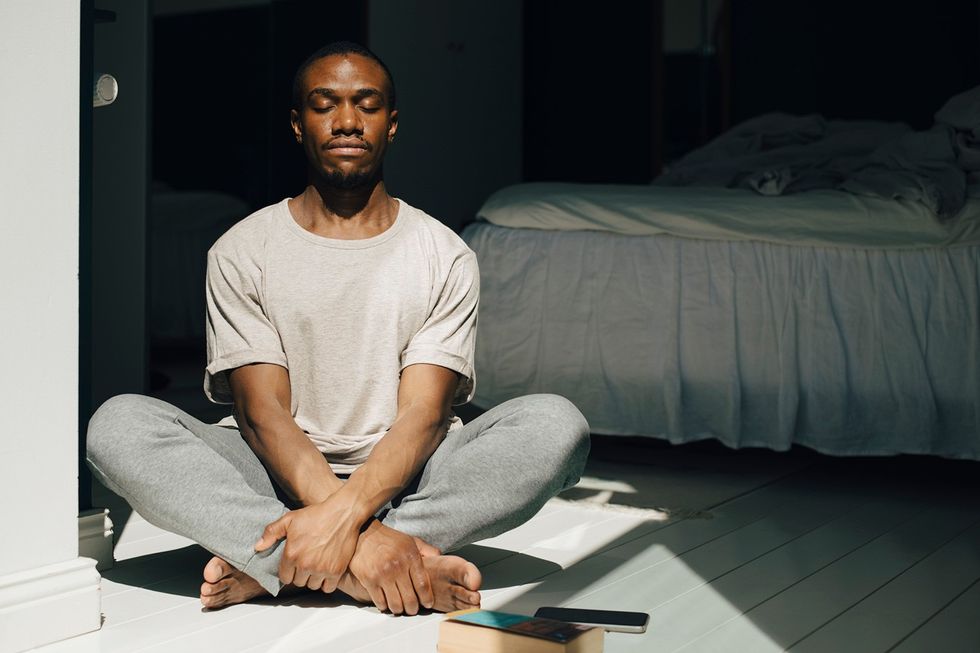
point(347, 120)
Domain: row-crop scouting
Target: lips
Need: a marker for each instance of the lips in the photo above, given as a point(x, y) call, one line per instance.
point(347, 144)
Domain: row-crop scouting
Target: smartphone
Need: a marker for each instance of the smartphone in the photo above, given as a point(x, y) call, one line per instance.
point(613, 620)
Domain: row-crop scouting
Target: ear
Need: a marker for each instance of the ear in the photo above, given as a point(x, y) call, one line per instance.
point(296, 124)
point(392, 124)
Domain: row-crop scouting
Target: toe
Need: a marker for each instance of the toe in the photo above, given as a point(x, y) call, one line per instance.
point(216, 569)
point(465, 598)
point(212, 589)
point(212, 601)
point(472, 579)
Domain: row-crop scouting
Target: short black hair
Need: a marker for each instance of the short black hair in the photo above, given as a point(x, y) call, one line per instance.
point(339, 47)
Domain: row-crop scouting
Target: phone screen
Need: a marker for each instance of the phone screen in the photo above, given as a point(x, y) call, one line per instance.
point(615, 620)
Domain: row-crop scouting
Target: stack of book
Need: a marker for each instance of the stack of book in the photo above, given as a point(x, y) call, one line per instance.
point(484, 631)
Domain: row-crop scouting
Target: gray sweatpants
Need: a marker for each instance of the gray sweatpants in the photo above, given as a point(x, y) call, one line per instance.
point(204, 482)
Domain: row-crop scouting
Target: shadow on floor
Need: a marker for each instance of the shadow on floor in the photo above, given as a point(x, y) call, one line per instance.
point(520, 568)
point(177, 571)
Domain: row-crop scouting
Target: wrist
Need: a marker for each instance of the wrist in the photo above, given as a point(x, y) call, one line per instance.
point(322, 492)
point(357, 510)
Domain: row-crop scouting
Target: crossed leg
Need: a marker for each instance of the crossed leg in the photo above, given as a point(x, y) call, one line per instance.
point(455, 582)
point(204, 482)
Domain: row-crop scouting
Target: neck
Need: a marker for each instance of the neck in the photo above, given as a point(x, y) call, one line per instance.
point(344, 213)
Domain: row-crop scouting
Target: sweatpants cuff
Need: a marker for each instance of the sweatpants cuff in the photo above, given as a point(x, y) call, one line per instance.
point(264, 568)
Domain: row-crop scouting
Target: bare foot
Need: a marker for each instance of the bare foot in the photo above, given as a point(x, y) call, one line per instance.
point(455, 582)
point(425, 549)
point(224, 585)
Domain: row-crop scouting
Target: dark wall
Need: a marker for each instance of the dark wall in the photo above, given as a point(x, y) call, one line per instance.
point(850, 60)
point(221, 94)
point(212, 73)
point(589, 99)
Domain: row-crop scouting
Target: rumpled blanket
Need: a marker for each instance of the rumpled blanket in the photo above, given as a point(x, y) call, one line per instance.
point(776, 154)
point(962, 113)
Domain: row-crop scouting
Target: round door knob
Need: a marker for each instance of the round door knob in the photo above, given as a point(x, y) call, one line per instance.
point(106, 90)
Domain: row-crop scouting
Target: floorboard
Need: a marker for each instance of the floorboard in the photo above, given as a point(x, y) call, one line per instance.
point(653, 544)
point(726, 597)
point(898, 607)
point(794, 613)
point(953, 629)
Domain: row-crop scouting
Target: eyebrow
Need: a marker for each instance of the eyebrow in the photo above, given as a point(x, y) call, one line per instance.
point(361, 93)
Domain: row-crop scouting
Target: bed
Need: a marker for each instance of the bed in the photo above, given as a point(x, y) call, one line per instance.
point(842, 318)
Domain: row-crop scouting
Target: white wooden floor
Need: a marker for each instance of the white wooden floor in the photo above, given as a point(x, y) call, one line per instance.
point(749, 552)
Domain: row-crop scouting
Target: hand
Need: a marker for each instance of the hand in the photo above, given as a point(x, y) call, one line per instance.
point(320, 542)
point(389, 566)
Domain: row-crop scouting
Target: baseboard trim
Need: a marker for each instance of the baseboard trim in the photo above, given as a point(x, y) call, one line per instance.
point(48, 604)
point(95, 537)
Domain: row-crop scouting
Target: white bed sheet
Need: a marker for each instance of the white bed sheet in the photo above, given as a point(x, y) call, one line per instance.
point(825, 218)
point(844, 350)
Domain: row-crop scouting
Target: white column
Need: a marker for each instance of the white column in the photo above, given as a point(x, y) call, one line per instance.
point(47, 592)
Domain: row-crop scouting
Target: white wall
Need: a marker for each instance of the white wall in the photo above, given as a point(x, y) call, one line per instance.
point(457, 68)
point(39, 136)
point(39, 59)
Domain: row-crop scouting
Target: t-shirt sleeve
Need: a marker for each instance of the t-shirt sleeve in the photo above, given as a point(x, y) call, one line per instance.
point(448, 336)
point(238, 330)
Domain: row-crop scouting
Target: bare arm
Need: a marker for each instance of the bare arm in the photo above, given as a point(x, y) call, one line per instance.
point(322, 536)
point(425, 395)
point(388, 563)
point(262, 408)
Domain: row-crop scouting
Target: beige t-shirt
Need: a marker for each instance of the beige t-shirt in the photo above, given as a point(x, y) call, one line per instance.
point(344, 317)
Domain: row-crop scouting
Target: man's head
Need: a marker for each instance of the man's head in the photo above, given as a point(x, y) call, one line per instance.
point(340, 48)
point(344, 114)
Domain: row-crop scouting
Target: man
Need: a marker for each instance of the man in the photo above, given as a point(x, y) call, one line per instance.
point(341, 325)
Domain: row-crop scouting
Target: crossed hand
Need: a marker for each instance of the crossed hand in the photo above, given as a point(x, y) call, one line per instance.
point(325, 541)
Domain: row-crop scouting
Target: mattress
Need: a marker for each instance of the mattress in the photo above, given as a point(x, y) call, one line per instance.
point(754, 341)
point(827, 218)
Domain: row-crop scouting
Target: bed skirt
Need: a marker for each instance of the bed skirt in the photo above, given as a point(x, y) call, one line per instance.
point(845, 351)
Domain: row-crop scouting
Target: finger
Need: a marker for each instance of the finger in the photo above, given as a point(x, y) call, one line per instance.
point(394, 598)
point(287, 571)
point(315, 582)
point(329, 583)
point(272, 533)
point(377, 597)
point(421, 584)
point(410, 602)
point(301, 578)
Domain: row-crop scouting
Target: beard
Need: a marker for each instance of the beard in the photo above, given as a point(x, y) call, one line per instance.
point(351, 181)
